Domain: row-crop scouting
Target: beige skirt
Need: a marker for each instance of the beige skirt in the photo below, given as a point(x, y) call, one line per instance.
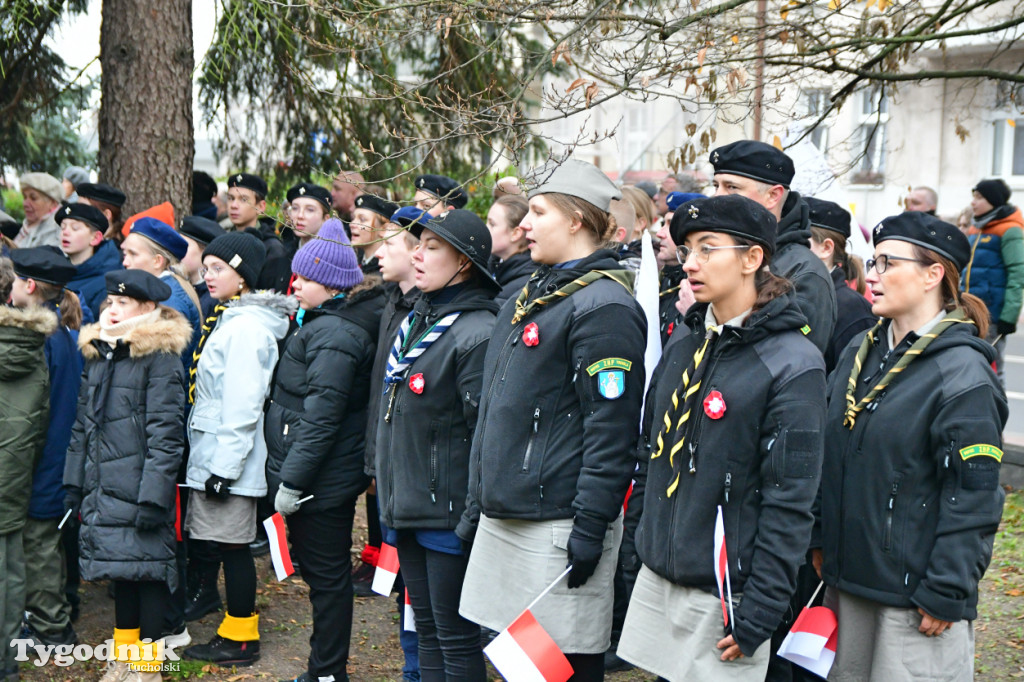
point(672, 631)
point(231, 521)
point(513, 561)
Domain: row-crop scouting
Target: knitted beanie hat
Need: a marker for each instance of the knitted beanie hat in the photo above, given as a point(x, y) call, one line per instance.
point(243, 252)
point(996, 192)
point(329, 258)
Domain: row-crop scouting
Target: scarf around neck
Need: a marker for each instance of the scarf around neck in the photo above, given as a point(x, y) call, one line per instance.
point(111, 333)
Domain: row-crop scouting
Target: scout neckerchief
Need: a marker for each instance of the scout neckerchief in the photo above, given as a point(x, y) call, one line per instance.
point(208, 326)
point(399, 361)
point(676, 425)
point(623, 277)
point(854, 408)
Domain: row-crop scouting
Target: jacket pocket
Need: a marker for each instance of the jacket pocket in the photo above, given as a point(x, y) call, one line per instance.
point(435, 463)
point(532, 439)
point(890, 514)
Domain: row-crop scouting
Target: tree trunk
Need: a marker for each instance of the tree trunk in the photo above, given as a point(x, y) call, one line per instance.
point(146, 143)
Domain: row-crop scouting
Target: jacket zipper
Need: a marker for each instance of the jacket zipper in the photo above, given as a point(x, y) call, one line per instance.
point(433, 465)
point(887, 542)
point(508, 360)
point(533, 437)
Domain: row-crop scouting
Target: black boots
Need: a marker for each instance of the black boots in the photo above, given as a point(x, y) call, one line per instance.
point(202, 596)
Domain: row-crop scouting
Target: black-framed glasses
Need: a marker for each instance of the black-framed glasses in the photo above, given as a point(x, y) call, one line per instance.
point(881, 264)
point(703, 252)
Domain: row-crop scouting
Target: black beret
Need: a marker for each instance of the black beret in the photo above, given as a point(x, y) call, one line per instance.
point(90, 215)
point(249, 181)
point(732, 214)
point(372, 202)
point(43, 264)
point(308, 190)
point(137, 284)
point(829, 216)
point(754, 160)
point(97, 191)
point(926, 231)
point(443, 187)
point(200, 229)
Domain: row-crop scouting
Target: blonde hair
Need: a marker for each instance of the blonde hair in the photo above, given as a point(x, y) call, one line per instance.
point(173, 265)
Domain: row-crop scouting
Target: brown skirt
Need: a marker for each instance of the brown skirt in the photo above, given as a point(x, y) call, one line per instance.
point(231, 521)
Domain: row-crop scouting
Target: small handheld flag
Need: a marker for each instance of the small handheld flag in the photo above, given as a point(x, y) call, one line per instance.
point(408, 619)
point(387, 570)
point(811, 642)
point(279, 553)
point(722, 570)
point(524, 652)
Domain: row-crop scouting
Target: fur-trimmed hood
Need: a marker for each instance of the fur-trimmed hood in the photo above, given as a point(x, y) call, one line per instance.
point(34, 318)
point(170, 333)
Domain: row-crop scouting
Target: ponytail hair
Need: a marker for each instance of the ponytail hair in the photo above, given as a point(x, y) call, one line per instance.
point(851, 265)
point(69, 310)
point(769, 285)
point(174, 267)
point(952, 298)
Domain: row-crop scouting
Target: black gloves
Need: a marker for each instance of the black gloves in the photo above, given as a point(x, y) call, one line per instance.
point(150, 517)
point(73, 501)
point(217, 487)
point(1005, 328)
point(585, 544)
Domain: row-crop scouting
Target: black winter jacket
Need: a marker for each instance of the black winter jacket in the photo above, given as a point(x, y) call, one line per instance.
point(812, 286)
point(910, 498)
point(854, 317)
point(126, 447)
point(554, 441)
point(397, 307)
point(423, 439)
point(277, 270)
point(668, 315)
point(761, 460)
point(512, 274)
point(316, 421)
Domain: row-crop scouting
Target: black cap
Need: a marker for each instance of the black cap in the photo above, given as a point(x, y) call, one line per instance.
point(372, 202)
point(90, 215)
point(731, 214)
point(829, 216)
point(137, 284)
point(310, 191)
point(444, 188)
point(245, 254)
point(927, 231)
point(468, 234)
point(200, 229)
point(754, 160)
point(97, 191)
point(43, 264)
point(204, 187)
point(249, 181)
point(996, 192)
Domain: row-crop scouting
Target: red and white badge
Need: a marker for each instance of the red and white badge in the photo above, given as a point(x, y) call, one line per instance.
point(531, 334)
point(416, 383)
point(714, 405)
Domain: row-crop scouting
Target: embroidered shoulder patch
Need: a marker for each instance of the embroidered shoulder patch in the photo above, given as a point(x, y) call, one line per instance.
point(982, 450)
point(609, 363)
point(805, 330)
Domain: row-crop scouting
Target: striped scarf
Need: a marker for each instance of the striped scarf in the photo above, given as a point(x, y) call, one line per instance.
point(853, 407)
point(623, 277)
point(398, 362)
point(208, 326)
point(689, 389)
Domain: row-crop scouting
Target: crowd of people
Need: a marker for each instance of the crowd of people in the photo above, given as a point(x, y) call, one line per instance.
point(481, 382)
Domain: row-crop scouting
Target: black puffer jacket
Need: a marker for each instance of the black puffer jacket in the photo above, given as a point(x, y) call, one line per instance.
point(669, 316)
point(126, 447)
point(512, 274)
point(315, 424)
point(397, 307)
point(551, 445)
point(910, 497)
point(812, 285)
point(854, 317)
point(277, 270)
point(423, 438)
point(761, 460)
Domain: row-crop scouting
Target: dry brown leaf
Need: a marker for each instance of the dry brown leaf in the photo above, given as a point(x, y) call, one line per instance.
point(784, 37)
point(777, 142)
point(447, 26)
point(575, 84)
point(591, 93)
point(742, 76)
point(701, 55)
point(1010, 122)
point(735, 39)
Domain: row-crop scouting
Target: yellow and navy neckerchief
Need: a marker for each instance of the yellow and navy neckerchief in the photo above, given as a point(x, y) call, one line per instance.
point(623, 277)
point(208, 326)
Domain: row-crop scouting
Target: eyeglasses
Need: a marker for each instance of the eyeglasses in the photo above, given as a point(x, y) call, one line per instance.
point(703, 252)
point(881, 264)
point(216, 270)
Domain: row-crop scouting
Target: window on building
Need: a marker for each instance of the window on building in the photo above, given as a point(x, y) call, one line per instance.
point(870, 137)
point(636, 136)
point(814, 102)
point(1008, 131)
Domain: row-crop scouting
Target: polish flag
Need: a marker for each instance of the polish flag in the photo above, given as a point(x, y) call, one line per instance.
point(387, 570)
point(722, 569)
point(408, 619)
point(279, 553)
point(524, 652)
point(811, 642)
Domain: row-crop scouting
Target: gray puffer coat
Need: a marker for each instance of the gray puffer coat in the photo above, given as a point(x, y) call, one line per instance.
point(126, 447)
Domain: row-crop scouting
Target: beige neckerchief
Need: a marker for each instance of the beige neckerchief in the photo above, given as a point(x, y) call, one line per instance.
point(711, 322)
point(111, 333)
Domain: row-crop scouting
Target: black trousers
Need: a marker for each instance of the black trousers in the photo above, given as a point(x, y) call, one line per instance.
point(449, 644)
point(321, 543)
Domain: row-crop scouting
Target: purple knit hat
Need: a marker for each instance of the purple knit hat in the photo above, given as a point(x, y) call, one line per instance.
point(329, 258)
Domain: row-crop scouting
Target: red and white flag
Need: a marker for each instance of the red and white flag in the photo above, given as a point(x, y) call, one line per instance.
point(408, 619)
point(524, 652)
point(722, 569)
point(811, 642)
point(387, 570)
point(279, 553)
